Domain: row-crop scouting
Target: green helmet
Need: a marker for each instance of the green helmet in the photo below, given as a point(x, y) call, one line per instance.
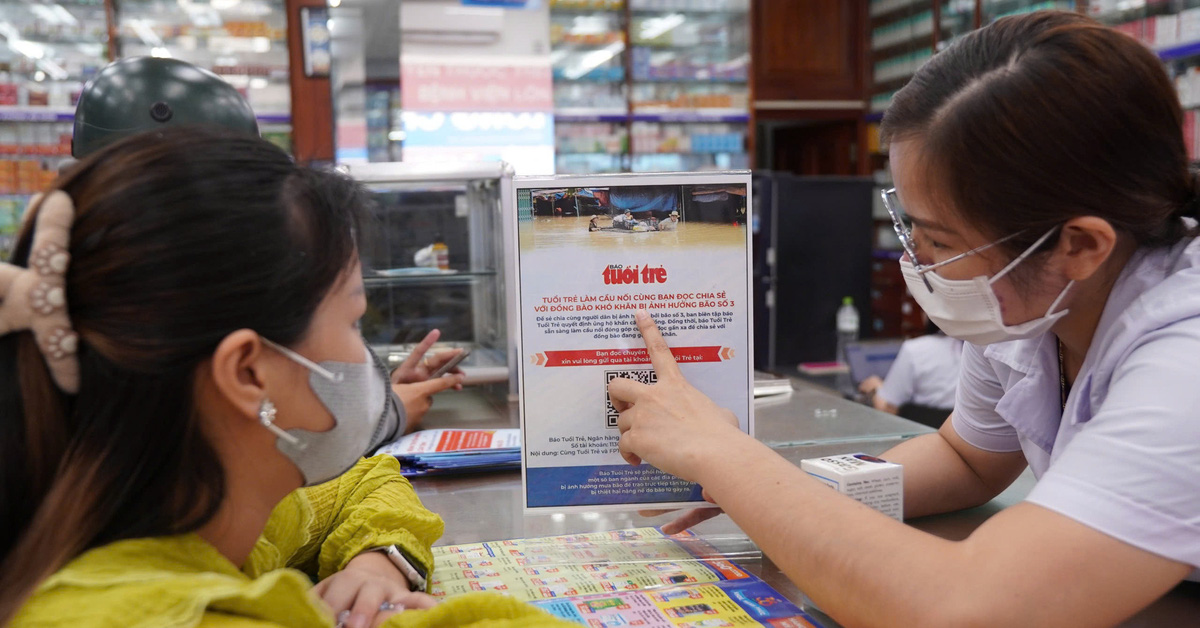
point(143, 93)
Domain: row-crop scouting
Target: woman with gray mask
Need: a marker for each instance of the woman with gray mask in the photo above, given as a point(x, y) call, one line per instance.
point(180, 352)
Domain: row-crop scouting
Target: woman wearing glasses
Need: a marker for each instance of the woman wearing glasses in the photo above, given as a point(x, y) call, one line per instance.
point(1045, 205)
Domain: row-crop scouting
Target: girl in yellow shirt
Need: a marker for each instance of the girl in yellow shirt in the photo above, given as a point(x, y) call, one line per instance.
point(179, 353)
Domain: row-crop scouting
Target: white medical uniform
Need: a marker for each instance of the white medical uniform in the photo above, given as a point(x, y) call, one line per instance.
point(925, 372)
point(1124, 458)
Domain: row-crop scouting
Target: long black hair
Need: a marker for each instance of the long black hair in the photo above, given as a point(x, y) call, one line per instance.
point(180, 238)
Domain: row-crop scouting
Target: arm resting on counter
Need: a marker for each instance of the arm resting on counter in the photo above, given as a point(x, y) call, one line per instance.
point(944, 473)
point(1027, 565)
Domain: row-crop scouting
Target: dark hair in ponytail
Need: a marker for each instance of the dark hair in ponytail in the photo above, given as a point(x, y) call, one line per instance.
point(1042, 117)
point(180, 238)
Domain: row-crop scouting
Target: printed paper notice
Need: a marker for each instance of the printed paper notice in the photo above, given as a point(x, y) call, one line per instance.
point(591, 252)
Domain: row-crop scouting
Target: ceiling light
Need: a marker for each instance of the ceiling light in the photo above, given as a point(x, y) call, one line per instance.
point(656, 27)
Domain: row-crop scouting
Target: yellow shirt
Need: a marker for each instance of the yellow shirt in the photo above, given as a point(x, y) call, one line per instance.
point(180, 581)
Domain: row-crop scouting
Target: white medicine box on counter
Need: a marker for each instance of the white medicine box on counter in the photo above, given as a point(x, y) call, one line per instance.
point(872, 481)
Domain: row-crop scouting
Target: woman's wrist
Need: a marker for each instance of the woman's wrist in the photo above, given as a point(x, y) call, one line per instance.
point(723, 454)
point(377, 560)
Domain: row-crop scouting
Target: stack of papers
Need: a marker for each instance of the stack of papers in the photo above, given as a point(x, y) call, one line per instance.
point(767, 385)
point(636, 577)
point(446, 452)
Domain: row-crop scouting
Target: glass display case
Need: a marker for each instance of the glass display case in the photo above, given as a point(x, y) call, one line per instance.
point(434, 257)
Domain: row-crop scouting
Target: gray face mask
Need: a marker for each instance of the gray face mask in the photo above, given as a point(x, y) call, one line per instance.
point(365, 415)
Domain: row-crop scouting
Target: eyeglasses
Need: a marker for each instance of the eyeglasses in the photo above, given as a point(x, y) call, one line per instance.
point(902, 223)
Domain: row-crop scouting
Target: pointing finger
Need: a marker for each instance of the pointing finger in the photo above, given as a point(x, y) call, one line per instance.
point(626, 452)
point(660, 354)
point(625, 392)
point(418, 352)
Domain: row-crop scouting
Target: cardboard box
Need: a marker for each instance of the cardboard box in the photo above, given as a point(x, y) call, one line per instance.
point(869, 480)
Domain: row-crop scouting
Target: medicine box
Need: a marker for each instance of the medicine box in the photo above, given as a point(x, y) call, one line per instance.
point(869, 480)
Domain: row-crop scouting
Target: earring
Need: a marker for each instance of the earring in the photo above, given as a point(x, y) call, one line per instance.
point(267, 415)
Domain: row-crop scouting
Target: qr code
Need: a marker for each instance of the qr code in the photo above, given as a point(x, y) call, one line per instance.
point(647, 376)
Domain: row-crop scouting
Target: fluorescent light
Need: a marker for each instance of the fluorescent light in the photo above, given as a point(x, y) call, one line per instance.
point(142, 29)
point(56, 71)
point(27, 48)
point(656, 26)
point(594, 59)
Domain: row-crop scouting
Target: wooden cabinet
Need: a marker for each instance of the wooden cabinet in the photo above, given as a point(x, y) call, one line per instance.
point(807, 50)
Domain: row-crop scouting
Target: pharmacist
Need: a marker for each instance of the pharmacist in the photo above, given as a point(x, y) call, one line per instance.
point(1046, 209)
point(175, 93)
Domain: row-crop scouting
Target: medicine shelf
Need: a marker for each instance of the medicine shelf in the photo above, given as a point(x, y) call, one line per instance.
point(732, 116)
point(1180, 51)
point(434, 278)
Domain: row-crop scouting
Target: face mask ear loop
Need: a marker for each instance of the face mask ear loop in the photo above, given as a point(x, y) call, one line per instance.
point(303, 361)
point(1020, 258)
point(266, 416)
point(1062, 295)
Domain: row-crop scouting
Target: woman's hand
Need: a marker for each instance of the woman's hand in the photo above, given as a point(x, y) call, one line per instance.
point(417, 367)
point(671, 425)
point(870, 385)
point(369, 590)
point(688, 519)
point(414, 600)
point(411, 382)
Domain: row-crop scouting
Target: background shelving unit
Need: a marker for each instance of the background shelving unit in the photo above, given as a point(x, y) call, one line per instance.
point(243, 41)
point(47, 53)
point(650, 85)
point(49, 50)
point(588, 41)
point(1172, 29)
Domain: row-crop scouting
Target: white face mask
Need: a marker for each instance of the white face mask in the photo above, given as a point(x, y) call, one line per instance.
point(967, 309)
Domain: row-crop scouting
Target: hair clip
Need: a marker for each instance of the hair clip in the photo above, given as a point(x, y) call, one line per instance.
point(35, 298)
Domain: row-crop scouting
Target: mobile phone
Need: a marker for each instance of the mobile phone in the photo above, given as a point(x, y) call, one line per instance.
point(453, 362)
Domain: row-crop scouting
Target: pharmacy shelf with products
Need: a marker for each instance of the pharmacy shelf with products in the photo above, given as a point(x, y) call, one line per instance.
point(588, 57)
point(650, 85)
point(1172, 29)
point(49, 51)
point(243, 41)
point(690, 63)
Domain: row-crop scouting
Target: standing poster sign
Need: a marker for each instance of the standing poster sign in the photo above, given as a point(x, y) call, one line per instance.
point(592, 250)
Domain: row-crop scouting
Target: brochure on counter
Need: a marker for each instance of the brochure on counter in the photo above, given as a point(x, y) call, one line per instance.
point(447, 452)
point(591, 251)
point(637, 577)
